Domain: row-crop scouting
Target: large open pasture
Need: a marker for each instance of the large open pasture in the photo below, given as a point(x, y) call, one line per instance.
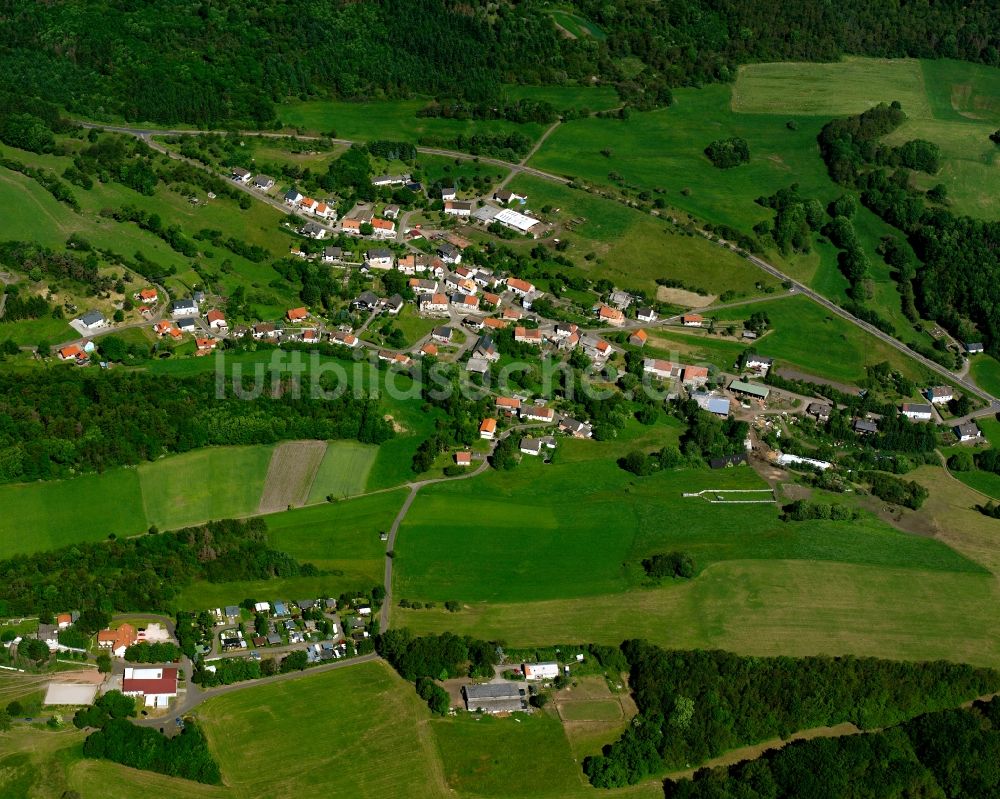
point(209, 483)
point(361, 727)
point(558, 531)
point(985, 370)
point(343, 471)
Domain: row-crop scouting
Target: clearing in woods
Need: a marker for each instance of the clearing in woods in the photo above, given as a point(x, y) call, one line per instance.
point(290, 475)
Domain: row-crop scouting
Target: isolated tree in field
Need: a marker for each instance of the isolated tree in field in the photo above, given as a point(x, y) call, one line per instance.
point(727, 153)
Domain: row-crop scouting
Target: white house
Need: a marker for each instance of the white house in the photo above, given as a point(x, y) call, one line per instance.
point(541, 671)
point(240, 175)
point(95, 319)
point(645, 315)
point(968, 432)
point(458, 208)
point(379, 259)
point(183, 308)
point(940, 395)
point(383, 229)
point(917, 411)
point(520, 287)
point(448, 193)
point(537, 413)
point(216, 320)
point(292, 197)
point(759, 363)
point(658, 368)
point(263, 182)
point(434, 303)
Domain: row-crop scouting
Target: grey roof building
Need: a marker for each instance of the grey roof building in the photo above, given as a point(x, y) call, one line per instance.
point(493, 698)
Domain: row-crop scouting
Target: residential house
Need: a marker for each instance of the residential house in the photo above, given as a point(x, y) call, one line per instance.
point(534, 446)
point(149, 295)
point(511, 314)
point(332, 255)
point(638, 338)
point(179, 308)
point(118, 640)
point(463, 458)
point(324, 211)
point(92, 320)
point(187, 325)
point(940, 395)
point(575, 428)
point(308, 204)
point(411, 264)
point(64, 620)
point(458, 208)
point(429, 349)
point(491, 298)
point(344, 339)
point(240, 175)
point(461, 284)
point(758, 363)
point(975, 347)
point(162, 328)
point(434, 304)
point(485, 348)
point(263, 182)
point(448, 193)
point(864, 427)
point(538, 413)
point(659, 368)
point(391, 212)
point(449, 253)
point(509, 405)
point(313, 230)
point(292, 197)
point(610, 316)
point(917, 411)
point(390, 180)
point(473, 323)
point(380, 258)
point(216, 320)
point(820, 411)
point(494, 698)
point(620, 299)
point(527, 335)
point(747, 389)
point(383, 229)
point(265, 330)
point(692, 320)
point(71, 353)
point(442, 334)
point(393, 305)
point(488, 429)
point(477, 365)
point(507, 196)
point(465, 301)
point(157, 686)
point(596, 348)
point(205, 345)
point(694, 376)
point(350, 227)
point(969, 431)
point(494, 324)
point(365, 301)
point(519, 287)
point(423, 286)
point(645, 315)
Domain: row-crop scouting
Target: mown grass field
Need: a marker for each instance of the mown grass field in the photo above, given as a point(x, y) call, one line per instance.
point(820, 342)
point(339, 537)
point(209, 483)
point(343, 471)
point(394, 119)
point(522, 755)
point(559, 531)
point(985, 370)
point(633, 248)
point(46, 515)
point(360, 728)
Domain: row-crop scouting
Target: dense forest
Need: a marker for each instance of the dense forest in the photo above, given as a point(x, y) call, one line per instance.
point(695, 705)
point(140, 574)
point(210, 62)
point(952, 753)
point(63, 421)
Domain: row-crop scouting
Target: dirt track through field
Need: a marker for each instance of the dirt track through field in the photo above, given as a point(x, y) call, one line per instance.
point(290, 474)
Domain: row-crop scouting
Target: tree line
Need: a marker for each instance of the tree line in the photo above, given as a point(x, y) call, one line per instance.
point(63, 422)
point(695, 705)
point(143, 574)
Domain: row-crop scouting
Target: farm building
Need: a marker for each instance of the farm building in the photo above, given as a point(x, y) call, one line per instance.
point(747, 389)
point(713, 403)
point(493, 698)
point(117, 640)
point(520, 223)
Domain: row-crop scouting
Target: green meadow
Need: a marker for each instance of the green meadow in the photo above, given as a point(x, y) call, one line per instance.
point(807, 335)
point(363, 723)
point(391, 119)
point(985, 370)
point(343, 471)
point(576, 25)
point(209, 483)
point(633, 248)
point(339, 537)
point(594, 98)
point(560, 531)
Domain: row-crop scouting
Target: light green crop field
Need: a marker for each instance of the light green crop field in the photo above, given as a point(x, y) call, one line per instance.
point(395, 119)
point(551, 532)
point(634, 249)
point(45, 515)
point(206, 484)
point(361, 727)
point(575, 25)
point(828, 90)
point(985, 370)
point(344, 470)
point(339, 537)
point(522, 755)
point(807, 335)
point(27, 332)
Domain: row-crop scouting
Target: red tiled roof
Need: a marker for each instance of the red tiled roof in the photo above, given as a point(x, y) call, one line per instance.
point(166, 684)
